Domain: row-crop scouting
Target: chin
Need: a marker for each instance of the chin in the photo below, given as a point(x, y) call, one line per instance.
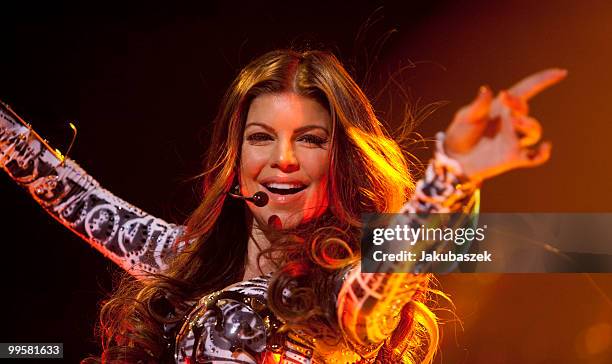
point(287, 219)
point(293, 220)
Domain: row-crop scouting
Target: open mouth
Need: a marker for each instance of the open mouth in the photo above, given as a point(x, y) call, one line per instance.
point(284, 188)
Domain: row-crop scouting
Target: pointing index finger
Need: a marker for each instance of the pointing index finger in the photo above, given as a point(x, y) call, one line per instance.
point(534, 84)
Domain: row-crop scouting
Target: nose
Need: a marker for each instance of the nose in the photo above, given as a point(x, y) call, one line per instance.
point(284, 157)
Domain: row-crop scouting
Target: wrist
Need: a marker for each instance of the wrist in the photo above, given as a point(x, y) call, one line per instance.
point(455, 163)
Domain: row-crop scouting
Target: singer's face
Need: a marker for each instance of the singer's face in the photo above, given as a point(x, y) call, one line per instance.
point(285, 153)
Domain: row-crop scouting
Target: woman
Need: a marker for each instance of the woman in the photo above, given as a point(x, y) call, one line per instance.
point(296, 127)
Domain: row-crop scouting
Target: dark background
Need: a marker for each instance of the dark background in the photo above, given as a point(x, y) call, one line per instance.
point(143, 82)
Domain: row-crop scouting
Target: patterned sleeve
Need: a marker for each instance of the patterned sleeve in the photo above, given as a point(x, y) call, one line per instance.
point(369, 304)
point(137, 241)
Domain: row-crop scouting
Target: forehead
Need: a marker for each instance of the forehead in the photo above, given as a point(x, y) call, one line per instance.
point(287, 110)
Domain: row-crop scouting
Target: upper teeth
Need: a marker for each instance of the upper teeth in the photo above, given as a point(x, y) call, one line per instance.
point(284, 186)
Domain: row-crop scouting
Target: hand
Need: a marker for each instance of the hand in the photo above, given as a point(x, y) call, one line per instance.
point(491, 136)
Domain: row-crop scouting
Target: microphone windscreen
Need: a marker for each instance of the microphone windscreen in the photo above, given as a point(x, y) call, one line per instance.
point(260, 199)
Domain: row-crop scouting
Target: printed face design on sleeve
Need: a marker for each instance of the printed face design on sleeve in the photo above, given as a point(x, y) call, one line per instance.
point(135, 240)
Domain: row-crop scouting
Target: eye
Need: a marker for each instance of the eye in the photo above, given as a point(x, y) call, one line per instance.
point(256, 138)
point(313, 140)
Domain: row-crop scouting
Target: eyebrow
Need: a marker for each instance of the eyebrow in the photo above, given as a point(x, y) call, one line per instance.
point(298, 130)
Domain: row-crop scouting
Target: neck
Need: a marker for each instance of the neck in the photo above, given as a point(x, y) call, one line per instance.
point(257, 242)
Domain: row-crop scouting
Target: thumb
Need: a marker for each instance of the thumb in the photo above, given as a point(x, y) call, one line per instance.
point(469, 123)
point(479, 109)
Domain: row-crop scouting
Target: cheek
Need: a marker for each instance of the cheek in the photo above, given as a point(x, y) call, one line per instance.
point(318, 199)
point(252, 161)
point(317, 168)
point(320, 166)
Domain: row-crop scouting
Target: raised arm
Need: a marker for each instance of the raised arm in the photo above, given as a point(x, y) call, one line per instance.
point(369, 304)
point(135, 240)
point(488, 137)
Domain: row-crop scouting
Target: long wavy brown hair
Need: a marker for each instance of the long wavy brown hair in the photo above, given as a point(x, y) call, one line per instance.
point(214, 255)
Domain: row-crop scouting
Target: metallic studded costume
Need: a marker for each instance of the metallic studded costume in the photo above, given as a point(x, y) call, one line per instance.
point(232, 325)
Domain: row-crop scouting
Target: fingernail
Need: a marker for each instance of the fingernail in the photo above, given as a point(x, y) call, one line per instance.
point(559, 72)
point(484, 95)
point(483, 90)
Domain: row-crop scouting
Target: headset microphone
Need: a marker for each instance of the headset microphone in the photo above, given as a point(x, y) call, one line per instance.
point(259, 199)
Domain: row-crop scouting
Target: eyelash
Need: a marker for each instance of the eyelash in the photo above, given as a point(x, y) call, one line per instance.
point(313, 139)
point(308, 138)
point(259, 137)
